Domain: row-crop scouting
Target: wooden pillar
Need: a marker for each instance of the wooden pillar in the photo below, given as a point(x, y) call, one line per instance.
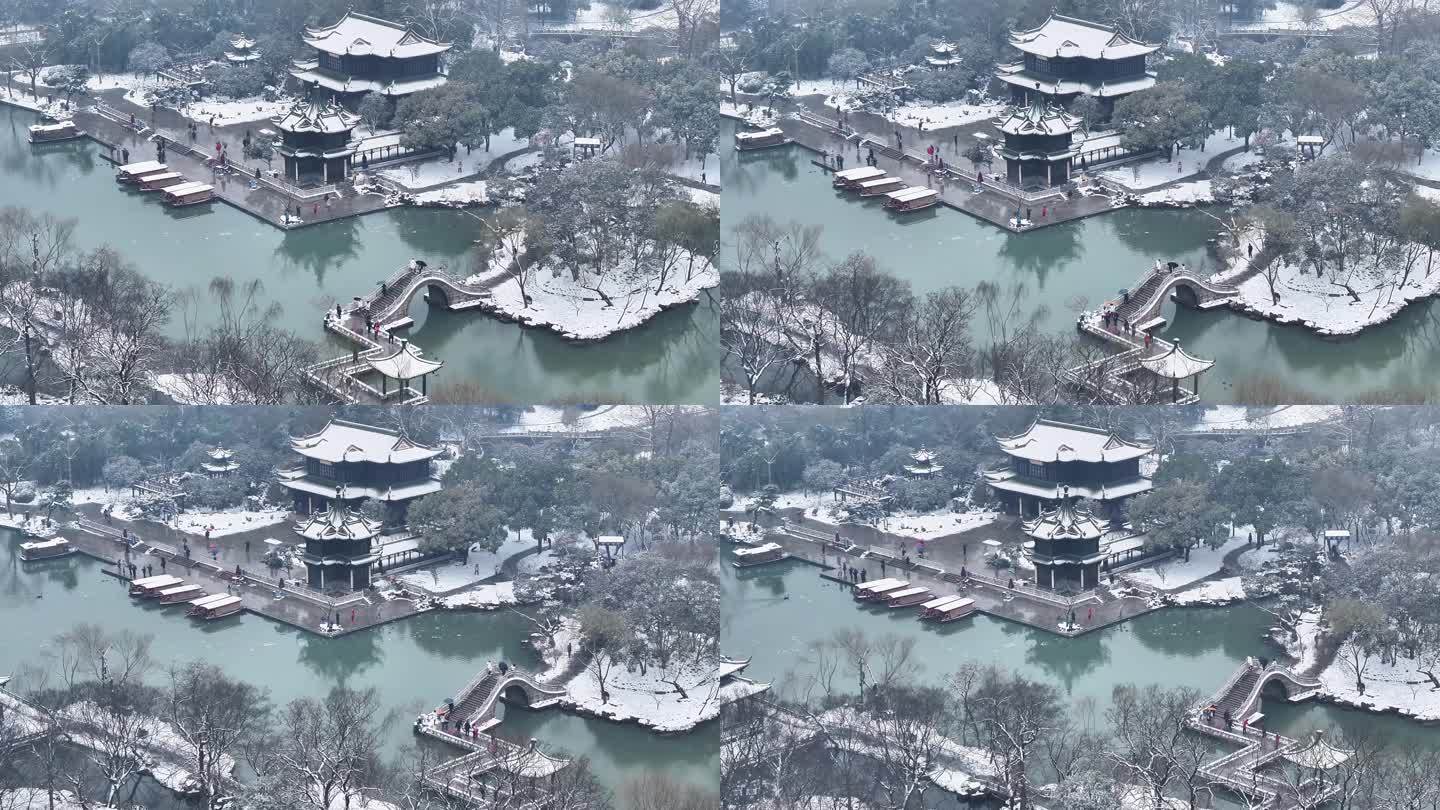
point(324, 171)
point(424, 385)
point(1052, 577)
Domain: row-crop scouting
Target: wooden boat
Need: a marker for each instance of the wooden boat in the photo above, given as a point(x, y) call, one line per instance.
point(147, 587)
point(876, 588)
point(216, 609)
point(131, 172)
point(907, 597)
point(204, 600)
point(181, 593)
point(187, 194)
point(159, 180)
point(852, 178)
point(51, 133)
point(46, 549)
point(764, 139)
point(879, 186)
point(913, 198)
point(757, 555)
point(954, 607)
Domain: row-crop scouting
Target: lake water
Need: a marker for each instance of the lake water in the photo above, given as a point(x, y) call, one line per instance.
point(671, 359)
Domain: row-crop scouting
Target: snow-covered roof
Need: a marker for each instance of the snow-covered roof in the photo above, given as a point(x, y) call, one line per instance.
point(312, 116)
point(348, 492)
point(1106, 88)
point(1040, 119)
point(363, 35)
point(405, 363)
point(339, 524)
point(1048, 490)
point(340, 440)
point(1069, 37)
point(311, 72)
point(1049, 440)
point(1065, 522)
point(1176, 364)
point(753, 551)
point(241, 42)
point(36, 545)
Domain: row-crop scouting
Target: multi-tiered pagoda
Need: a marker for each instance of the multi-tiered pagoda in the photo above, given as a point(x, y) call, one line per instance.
point(242, 49)
point(1039, 145)
point(219, 463)
point(1067, 553)
point(347, 463)
point(340, 548)
point(1065, 57)
point(923, 465)
point(1053, 461)
point(362, 54)
point(316, 142)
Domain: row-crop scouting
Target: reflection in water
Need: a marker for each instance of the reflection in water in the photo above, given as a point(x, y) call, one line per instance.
point(1037, 254)
point(338, 660)
point(1067, 660)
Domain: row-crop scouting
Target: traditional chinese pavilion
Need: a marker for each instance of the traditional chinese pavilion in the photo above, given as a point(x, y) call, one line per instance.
point(362, 54)
point(340, 548)
point(1039, 145)
point(346, 463)
point(220, 462)
point(924, 464)
point(1064, 57)
point(1052, 461)
point(1067, 553)
point(943, 55)
point(242, 49)
point(316, 142)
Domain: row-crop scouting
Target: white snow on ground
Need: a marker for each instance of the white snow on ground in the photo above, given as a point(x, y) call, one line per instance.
point(423, 174)
point(1176, 573)
point(1319, 303)
point(1147, 174)
point(519, 163)
point(1400, 687)
point(236, 111)
point(38, 798)
point(649, 699)
point(456, 195)
point(550, 419)
point(931, 526)
point(482, 565)
point(1289, 16)
point(121, 81)
point(1304, 648)
point(1194, 192)
point(485, 597)
point(194, 388)
point(230, 521)
point(36, 103)
point(99, 495)
point(819, 87)
point(693, 169)
point(1214, 592)
point(971, 392)
point(1242, 417)
point(563, 305)
point(599, 15)
point(947, 114)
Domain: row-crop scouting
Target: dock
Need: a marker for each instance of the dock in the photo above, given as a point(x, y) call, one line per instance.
point(1017, 601)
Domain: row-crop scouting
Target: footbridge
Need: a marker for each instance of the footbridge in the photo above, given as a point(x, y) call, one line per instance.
point(1146, 368)
point(369, 324)
point(1254, 768)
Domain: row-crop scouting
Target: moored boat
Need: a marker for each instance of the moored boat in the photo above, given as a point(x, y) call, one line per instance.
point(913, 198)
point(877, 588)
point(952, 608)
point(764, 139)
point(879, 186)
point(907, 597)
point(159, 180)
point(852, 178)
point(46, 549)
point(131, 172)
point(187, 194)
point(216, 609)
point(757, 555)
point(51, 133)
point(147, 587)
point(184, 592)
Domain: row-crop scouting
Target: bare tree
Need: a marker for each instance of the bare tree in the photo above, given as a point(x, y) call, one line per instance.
point(215, 716)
